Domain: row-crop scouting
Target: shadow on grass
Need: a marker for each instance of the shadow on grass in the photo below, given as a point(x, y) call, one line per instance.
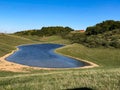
point(83, 88)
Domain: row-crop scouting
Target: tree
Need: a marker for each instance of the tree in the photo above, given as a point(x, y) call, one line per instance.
point(100, 28)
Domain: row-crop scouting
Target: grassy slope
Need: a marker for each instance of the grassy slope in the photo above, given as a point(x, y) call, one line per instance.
point(96, 79)
point(106, 77)
point(49, 39)
point(105, 57)
point(8, 43)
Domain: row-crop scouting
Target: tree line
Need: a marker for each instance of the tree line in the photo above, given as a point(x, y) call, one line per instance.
point(104, 34)
point(100, 28)
point(47, 31)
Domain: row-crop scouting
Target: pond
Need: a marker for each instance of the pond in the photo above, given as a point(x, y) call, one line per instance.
point(43, 55)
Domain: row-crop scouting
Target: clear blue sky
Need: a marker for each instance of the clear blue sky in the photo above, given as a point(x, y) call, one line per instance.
point(17, 15)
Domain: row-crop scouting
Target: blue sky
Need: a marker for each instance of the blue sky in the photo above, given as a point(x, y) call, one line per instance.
point(17, 15)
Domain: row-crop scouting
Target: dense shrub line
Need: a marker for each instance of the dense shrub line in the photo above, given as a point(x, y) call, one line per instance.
point(47, 31)
point(107, 39)
point(105, 34)
point(100, 28)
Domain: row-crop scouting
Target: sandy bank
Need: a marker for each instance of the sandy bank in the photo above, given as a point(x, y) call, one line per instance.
point(14, 67)
point(10, 66)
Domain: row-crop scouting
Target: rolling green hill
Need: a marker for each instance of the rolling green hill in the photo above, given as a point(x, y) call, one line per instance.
point(8, 43)
point(104, 77)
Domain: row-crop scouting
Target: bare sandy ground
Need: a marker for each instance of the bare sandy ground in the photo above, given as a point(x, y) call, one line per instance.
point(14, 67)
point(10, 66)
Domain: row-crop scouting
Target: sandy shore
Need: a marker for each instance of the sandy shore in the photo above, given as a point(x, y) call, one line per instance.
point(14, 67)
point(10, 66)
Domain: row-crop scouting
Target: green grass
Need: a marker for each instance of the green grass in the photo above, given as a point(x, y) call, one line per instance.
point(49, 39)
point(9, 43)
point(104, 77)
point(95, 79)
point(105, 57)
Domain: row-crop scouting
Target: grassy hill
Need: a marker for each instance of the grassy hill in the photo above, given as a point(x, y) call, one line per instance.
point(105, 57)
point(8, 43)
point(48, 39)
point(104, 77)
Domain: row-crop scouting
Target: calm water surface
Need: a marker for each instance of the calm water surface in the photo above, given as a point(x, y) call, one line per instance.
point(43, 55)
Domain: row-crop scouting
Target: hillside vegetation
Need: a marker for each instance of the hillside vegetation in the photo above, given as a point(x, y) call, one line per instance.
point(9, 43)
point(47, 31)
point(102, 49)
point(104, 57)
point(108, 25)
point(47, 39)
point(104, 77)
point(104, 34)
